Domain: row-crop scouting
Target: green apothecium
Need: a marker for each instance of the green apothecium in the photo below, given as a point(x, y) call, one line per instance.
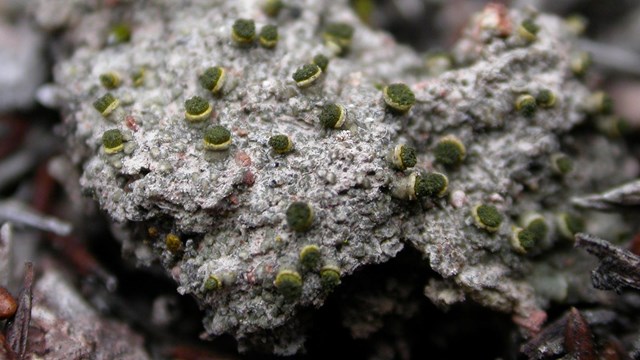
point(197, 109)
point(332, 116)
point(399, 97)
point(307, 75)
point(217, 138)
point(487, 217)
point(112, 141)
point(213, 79)
point(243, 31)
point(299, 216)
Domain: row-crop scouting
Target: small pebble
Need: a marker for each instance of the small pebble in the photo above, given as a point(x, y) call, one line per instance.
point(8, 304)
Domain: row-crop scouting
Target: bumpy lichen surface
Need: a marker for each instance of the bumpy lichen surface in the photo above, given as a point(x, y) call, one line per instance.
point(229, 208)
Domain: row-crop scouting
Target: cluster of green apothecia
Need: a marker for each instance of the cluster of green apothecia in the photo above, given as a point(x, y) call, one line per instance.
point(533, 228)
point(449, 151)
point(310, 262)
point(338, 37)
point(300, 217)
point(243, 33)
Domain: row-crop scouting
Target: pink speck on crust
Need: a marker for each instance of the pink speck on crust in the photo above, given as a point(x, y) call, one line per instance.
point(532, 322)
point(242, 159)
point(130, 121)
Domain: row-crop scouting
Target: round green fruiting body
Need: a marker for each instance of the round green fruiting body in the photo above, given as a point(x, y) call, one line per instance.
point(268, 36)
point(289, 283)
point(243, 31)
point(137, 77)
point(281, 144)
point(487, 217)
point(399, 97)
point(119, 33)
point(526, 105)
point(580, 63)
point(213, 79)
point(112, 141)
point(272, 7)
point(338, 36)
point(528, 30)
point(404, 157)
point(601, 103)
point(569, 225)
point(212, 283)
point(299, 216)
point(217, 138)
point(173, 243)
point(537, 225)
point(438, 63)
point(153, 232)
point(534, 232)
point(577, 24)
point(322, 62)
point(561, 164)
point(310, 257)
point(522, 240)
point(110, 80)
point(612, 125)
point(450, 151)
point(329, 276)
point(197, 109)
point(431, 185)
point(306, 75)
point(106, 104)
point(332, 116)
point(546, 98)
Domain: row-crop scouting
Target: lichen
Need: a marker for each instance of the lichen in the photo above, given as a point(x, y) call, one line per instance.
point(231, 208)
